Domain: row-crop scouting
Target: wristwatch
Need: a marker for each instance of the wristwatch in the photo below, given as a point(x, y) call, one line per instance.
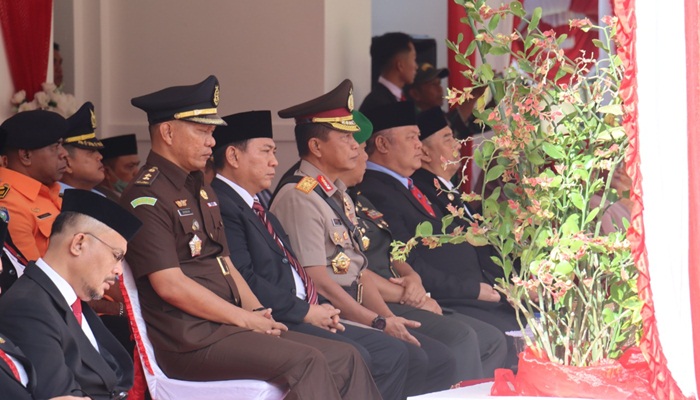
point(379, 323)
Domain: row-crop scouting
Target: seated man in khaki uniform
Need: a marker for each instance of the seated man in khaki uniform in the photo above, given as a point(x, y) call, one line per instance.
point(320, 219)
point(203, 320)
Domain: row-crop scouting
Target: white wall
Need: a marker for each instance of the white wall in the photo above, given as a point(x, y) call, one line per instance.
point(267, 55)
point(415, 17)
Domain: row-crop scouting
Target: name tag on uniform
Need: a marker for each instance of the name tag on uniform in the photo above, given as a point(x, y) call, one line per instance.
point(337, 222)
point(183, 212)
point(212, 204)
point(44, 216)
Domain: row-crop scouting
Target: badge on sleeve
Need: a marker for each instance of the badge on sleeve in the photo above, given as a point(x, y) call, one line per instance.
point(143, 201)
point(306, 184)
point(195, 246)
point(4, 190)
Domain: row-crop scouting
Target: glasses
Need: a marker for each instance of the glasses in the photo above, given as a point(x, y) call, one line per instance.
point(117, 253)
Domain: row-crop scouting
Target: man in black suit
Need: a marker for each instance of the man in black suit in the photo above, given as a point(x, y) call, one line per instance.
point(395, 56)
point(439, 163)
point(244, 158)
point(452, 273)
point(17, 375)
point(45, 312)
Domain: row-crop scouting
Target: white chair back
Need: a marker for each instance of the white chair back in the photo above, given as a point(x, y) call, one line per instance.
point(163, 388)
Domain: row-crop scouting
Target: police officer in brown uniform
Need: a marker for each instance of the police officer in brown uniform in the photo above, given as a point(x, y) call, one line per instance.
point(320, 219)
point(203, 319)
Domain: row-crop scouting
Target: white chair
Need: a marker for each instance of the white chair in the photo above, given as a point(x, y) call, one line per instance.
point(164, 388)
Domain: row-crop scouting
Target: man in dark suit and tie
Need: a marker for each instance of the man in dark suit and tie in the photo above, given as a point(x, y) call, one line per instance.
point(244, 158)
point(45, 312)
point(452, 273)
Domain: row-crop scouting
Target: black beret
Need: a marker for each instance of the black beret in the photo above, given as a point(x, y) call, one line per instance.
point(102, 209)
point(194, 103)
point(115, 146)
point(427, 72)
point(402, 113)
point(243, 126)
point(3, 138)
point(333, 109)
point(81, 129)
point(34, 129)
point(431, 121)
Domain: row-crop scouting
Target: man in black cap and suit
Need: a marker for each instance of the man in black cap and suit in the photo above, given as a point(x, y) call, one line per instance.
point(452, 273)
point(320, 219)
point(84, 169)
point(395, 55)
point(121, 161)
point(45, 314)
point(245, 160)
point(203, 320)
point(36, 160)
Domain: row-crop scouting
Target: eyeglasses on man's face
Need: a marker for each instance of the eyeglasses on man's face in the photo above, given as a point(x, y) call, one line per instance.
point(117, 253)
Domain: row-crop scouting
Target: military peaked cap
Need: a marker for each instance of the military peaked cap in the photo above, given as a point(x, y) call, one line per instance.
point(81, 129)
point(194, 103)
point(333, 109)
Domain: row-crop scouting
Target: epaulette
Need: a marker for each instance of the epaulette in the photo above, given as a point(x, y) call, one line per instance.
point(4, 190)
point(306, 184)
point(147, 177)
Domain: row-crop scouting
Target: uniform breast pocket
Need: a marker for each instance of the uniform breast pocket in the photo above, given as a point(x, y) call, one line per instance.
point(44, 223)
point(192, 233)
point(340, 237)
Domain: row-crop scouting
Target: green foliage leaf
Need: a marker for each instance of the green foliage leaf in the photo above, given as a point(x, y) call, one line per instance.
point(560, 74)
point(487, 148)
point(500, 91)
point(563, 268)
point(536, 15)
point(479, 158)
point(535, 158)
point(599, 44)
point(470, 48)
point(591, 216)
point(561, 38)
point(460, 38)
point(494, 173)
point(475, 240)
point(577, 200)
point(552, 150)
point(493, 24)
point(485, 72)
point(447, 221)
point(525, 65)
point(614, 109)
point(424, 229)
point(570, 226)
point(499, 50)
point(517, 9)
point(452, 46)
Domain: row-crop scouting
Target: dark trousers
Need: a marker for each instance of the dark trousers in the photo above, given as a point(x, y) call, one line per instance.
point(386, 357)
point(479, 348)
point(432, 366)
point(312, 367)
point(501, 316)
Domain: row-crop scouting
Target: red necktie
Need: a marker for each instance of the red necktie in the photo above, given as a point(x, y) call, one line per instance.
point(78, 311)
point(10, 364)
point(420, 197)
point(311, 296)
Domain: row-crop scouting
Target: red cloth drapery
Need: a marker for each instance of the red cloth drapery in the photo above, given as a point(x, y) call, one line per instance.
point(455, 12)
point(692, 45)
point(26, 28)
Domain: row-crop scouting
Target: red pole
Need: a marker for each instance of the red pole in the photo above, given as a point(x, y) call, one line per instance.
point(456, 12)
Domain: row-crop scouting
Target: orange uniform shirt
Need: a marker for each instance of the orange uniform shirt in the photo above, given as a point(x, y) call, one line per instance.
point(32, 207)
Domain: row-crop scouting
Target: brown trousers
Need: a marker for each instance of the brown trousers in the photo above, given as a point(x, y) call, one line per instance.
point(312, 367)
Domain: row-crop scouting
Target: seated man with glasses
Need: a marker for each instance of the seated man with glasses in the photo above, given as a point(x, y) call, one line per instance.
point(45, 314)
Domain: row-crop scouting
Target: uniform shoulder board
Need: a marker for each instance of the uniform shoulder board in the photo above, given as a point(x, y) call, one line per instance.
point(306, 184)
point(147, 177)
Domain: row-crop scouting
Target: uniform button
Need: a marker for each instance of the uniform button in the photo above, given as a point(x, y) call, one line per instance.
point(293, 291)
point(211, 235)
point(285, 260)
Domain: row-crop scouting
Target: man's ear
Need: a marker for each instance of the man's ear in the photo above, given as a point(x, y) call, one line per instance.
point(166, 131)
point(315, 147)
point(381, 143)
point(425, 155)
point(76, 244)
point(25, 157)
point(232, 156)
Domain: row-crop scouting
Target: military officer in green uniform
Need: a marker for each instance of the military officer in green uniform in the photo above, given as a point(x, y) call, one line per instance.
point(202, 318)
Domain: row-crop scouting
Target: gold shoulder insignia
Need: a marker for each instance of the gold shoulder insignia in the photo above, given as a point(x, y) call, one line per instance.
point(4, 190)
point(306, 184)
point(147, 177)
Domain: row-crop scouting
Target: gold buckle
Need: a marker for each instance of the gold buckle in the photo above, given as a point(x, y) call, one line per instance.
point(223, 266)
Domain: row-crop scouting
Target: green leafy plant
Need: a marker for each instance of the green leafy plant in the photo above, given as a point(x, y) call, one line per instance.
point(548, 184)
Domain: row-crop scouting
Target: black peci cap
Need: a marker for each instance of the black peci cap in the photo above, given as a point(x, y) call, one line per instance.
point(194, 103)
point(333, 109)
point(81, 129)
point(116, 146)
point(402, 113)
point(34, 129)
point(431, 121)
point(243, 126)
point(102, 209)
